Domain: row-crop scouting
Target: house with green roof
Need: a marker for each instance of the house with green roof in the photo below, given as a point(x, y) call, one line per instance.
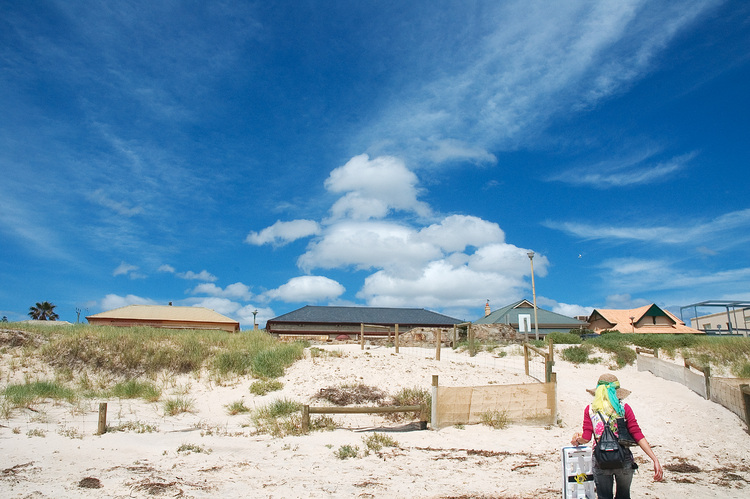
point(520, 315)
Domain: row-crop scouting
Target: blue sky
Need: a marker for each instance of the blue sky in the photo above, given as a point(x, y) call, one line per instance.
point(269, 155)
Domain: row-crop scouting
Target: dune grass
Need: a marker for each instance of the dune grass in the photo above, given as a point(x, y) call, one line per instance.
point(135, 389)
point(122, 361)
point(27, 394)
point(730, 354)
point(144, 351)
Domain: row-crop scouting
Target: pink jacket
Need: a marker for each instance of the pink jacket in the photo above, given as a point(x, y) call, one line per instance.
point(635, 430)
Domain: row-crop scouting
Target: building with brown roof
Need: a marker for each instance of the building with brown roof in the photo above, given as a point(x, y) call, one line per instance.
point(166, 317)
point(649, 319)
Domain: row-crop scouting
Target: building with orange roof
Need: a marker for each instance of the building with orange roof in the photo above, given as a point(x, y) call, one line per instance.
point(649, 319)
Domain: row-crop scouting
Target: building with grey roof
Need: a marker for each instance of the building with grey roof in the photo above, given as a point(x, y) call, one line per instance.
point(334, 321)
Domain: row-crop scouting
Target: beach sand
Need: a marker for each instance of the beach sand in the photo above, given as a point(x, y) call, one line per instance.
point(53, 450)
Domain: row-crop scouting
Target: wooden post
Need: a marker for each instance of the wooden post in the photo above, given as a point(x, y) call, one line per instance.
point(553, 380)
point(396, 337)
point(434, 416)
point(438, 341)
point(305, 418)
point(707, 376)
point(102, 429)
point(470, 334)
point(526, 358)
point(551, 349)
point(745, 394)
point(362, 336)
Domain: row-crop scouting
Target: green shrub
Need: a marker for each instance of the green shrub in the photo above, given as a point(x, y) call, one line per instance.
point(565, 338)
point(615, 343)
point(578, 354)
point(347, 451)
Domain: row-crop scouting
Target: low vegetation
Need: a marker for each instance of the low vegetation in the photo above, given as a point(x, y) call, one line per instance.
point(115, 362)
point(283, 417)
point(28, 394)
point(178, 405)
point(136, 389)
point(726, 355)
point(265, 386)
point(577, 354)
point(237, 407)
point(131, 352)
point(495, 419)
point(352, 395)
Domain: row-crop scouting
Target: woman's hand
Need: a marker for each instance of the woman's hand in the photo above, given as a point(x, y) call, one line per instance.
point(574, 440)
point(658, 472)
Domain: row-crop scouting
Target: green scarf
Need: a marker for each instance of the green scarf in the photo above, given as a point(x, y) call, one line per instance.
point(605, 399)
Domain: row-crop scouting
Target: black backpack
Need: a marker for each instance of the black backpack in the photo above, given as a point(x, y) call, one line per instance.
point(609, 454)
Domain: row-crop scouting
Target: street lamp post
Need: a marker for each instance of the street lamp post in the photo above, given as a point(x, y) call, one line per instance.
point(255, 324)
point(533, 291)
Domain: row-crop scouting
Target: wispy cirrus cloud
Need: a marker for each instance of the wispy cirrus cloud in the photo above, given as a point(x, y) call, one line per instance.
point(528, 63)
point(727, 230)
point(644, 276)
point(626, 171)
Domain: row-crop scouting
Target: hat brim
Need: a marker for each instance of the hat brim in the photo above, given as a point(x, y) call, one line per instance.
point(621, 392)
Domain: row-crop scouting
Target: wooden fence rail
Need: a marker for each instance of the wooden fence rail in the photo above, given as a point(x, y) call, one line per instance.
point(654, 352)
point(307, 410)
point(549, 358)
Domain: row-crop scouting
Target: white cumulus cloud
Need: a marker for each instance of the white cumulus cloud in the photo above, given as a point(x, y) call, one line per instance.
point(282, 233)
point(112, 301)
point(203, 275)
point(307, 289)
point(237, 290)
point(373, 188)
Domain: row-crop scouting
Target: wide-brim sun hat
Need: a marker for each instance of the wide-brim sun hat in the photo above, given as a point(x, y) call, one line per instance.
point(610, 378)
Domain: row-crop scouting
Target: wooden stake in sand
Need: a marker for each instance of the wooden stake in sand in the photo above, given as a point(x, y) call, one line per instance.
point(102, 429)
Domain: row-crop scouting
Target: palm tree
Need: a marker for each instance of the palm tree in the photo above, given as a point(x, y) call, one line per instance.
point(44, 311)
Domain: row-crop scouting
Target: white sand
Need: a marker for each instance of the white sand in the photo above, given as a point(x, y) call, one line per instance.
point(519, 461)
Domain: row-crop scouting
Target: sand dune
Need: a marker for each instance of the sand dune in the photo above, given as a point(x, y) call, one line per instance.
point(54, 452)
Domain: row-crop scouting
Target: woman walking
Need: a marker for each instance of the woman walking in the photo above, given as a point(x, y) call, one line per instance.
point(607, 408)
